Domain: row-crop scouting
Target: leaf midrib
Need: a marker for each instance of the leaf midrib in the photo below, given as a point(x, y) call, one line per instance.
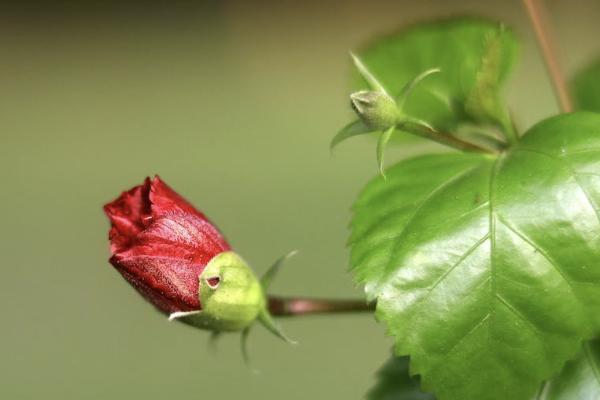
point(403, 232)
point(573, 173)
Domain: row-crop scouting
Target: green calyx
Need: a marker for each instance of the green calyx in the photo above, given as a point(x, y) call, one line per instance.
point(230, 294)
point(232, 298)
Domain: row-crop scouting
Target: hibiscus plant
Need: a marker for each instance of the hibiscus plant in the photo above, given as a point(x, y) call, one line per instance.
point(481, 257)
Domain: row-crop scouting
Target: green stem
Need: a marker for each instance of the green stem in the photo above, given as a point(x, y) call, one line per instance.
point(443, 138)
point(295, 306)
point(509, 129)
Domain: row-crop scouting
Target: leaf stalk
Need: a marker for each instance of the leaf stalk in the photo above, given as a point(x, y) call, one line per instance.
point(442, 138)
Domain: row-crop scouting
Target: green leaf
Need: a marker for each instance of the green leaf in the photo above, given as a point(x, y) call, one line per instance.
point(586, 88)
point(470, 52)
point(485, 268)
point(485, 103)
point(395, 383)
point(579, 379)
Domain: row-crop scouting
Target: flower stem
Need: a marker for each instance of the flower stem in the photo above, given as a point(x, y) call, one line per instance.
point(446, 139)
point(537, 17)
point(295, 306)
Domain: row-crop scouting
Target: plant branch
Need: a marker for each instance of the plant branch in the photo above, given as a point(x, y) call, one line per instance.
point(427, 132)
point(296, 306)
point(538, 19)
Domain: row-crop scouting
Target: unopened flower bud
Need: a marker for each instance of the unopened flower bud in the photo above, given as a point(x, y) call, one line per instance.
point(180, 262)
point(376, 109)
point(161, 244)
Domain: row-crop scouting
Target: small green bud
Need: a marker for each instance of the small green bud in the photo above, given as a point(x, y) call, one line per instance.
point(376, 109)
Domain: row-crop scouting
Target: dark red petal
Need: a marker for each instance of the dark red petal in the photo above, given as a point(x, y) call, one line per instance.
point(127, 215)
point(190, 237)
point(164, 199)
point(166, 282)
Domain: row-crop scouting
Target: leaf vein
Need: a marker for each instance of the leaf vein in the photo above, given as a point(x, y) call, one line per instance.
point(466, 335)
point(460, 260)
point(582, 151)
point(492, 230)
point(440, 279)
point(428, 198)
point(537, 248)
point(378, 241)
point(574, 173)
point(520, 316)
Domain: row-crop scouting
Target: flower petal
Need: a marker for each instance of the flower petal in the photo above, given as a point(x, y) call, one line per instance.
point(161, 244)
point(127, 215)
point(171, 284)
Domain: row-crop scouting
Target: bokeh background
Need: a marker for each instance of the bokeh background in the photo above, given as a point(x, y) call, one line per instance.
point(233, 103)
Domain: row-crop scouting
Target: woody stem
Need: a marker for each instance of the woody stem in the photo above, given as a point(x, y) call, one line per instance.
point(538, 19)
point(295, 306)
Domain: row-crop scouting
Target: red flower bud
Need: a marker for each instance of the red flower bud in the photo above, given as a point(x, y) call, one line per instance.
point(161, 244)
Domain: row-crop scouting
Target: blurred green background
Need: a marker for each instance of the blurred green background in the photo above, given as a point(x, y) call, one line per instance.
point(233, 104)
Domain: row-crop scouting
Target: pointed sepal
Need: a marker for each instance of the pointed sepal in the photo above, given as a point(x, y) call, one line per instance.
point(419, 123)
point(381, 144)
point(269, 323)
point(213, 341)
point(268, 276)
point(373, 83)
point(410, 86)
point(244, 345)
point(244, 348)
point(352, 129)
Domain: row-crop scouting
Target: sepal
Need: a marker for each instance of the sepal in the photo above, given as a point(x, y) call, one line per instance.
point(410, 86)
point(271, 273)
point(381, 143)
point(372, 82)
point(354, 128)
point(269, 323)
